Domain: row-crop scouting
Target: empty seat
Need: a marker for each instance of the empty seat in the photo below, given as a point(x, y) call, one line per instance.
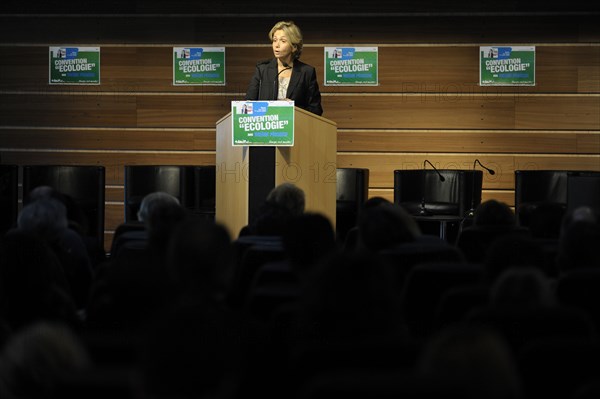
point(583, 189)
point(536, 187)
point(460, 190)
point(352, 190)
point(141, 180)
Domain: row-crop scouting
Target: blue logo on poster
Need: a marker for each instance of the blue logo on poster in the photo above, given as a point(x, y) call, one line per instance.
point(196, 53)
point(343, 53)
point(504, 52)
point(260, 108)
point(67, 52)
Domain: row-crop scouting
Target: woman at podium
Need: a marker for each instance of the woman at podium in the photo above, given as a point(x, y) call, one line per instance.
point(285, 77)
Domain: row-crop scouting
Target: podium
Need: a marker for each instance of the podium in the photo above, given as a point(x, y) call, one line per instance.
point(246, 174)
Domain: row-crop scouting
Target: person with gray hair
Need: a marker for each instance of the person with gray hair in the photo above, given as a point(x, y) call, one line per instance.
point(289, 197)
point(154, 201)
point(283, 202)
point(47, 218)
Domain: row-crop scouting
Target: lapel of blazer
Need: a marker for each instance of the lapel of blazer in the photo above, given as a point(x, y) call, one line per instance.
point(295, 79)
point(271, 79)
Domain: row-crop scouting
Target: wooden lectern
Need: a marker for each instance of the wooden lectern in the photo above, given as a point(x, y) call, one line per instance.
point(245, 175)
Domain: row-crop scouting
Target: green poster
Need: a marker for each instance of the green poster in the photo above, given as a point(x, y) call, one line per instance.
point(74, 66)
point(507, 66)
point(198, 66)
point(351, 66)
point(262, 123)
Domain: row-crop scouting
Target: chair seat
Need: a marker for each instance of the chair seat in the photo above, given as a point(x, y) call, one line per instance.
point(434, 208)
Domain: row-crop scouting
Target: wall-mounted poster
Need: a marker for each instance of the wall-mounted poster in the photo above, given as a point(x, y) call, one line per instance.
point(351, 66)
point(262, 123)
point(74, 65)
point(507, 66)
point(198, 66)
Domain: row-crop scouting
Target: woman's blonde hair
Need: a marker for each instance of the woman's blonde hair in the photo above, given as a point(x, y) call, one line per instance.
point(292, 32)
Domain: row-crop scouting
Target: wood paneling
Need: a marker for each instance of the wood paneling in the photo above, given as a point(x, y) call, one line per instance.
point(359, 140)
point(109, 138)
point(418, 111)
point(469, 141)
point(441, 69)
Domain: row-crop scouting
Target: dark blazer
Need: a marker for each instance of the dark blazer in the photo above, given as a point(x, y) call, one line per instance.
point(303, 88)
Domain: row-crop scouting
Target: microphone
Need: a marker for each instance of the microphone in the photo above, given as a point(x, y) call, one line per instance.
point(423, 211)
point(442, 178)
point(490, 171)
point(471, 212)
point(285, 68)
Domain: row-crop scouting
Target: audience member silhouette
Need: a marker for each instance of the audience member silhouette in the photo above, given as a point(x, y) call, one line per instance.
point(308, 239)
point(385, 225)
point(38, 359)
point(351, 241)
point(75, 215)
point(76, 218)
point(476, 360)
point(282, 203)
point(352, 299)
point(522, 288)
point(136, 284)
point(33, 285)
point(509, 251)
point(46, 217)
point(578, 243)
point(199, 260)
point(493, 219)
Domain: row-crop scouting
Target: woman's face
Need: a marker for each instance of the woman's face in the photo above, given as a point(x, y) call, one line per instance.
point(282, 47)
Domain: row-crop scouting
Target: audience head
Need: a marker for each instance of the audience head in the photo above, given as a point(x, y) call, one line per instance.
point(515, 250)
point(494, 213)
point(37, 359)
point(283, 203)
point(477, 361)
point(352, 297)
point(545, 220)
point(522, 288)
point(46, 217)
point(198, 258)
point(33, 285)
point(153, 201)
point(309, 238)
point(386, 225)
point(77, 220)
point(578, 246)
point(289, 197)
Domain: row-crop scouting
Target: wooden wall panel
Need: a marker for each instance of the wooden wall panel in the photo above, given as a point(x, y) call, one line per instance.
point(443, 69)
point(464, 111)
point(165, 139)
point(469, 141)
point(419, 111)
point(372, 140)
